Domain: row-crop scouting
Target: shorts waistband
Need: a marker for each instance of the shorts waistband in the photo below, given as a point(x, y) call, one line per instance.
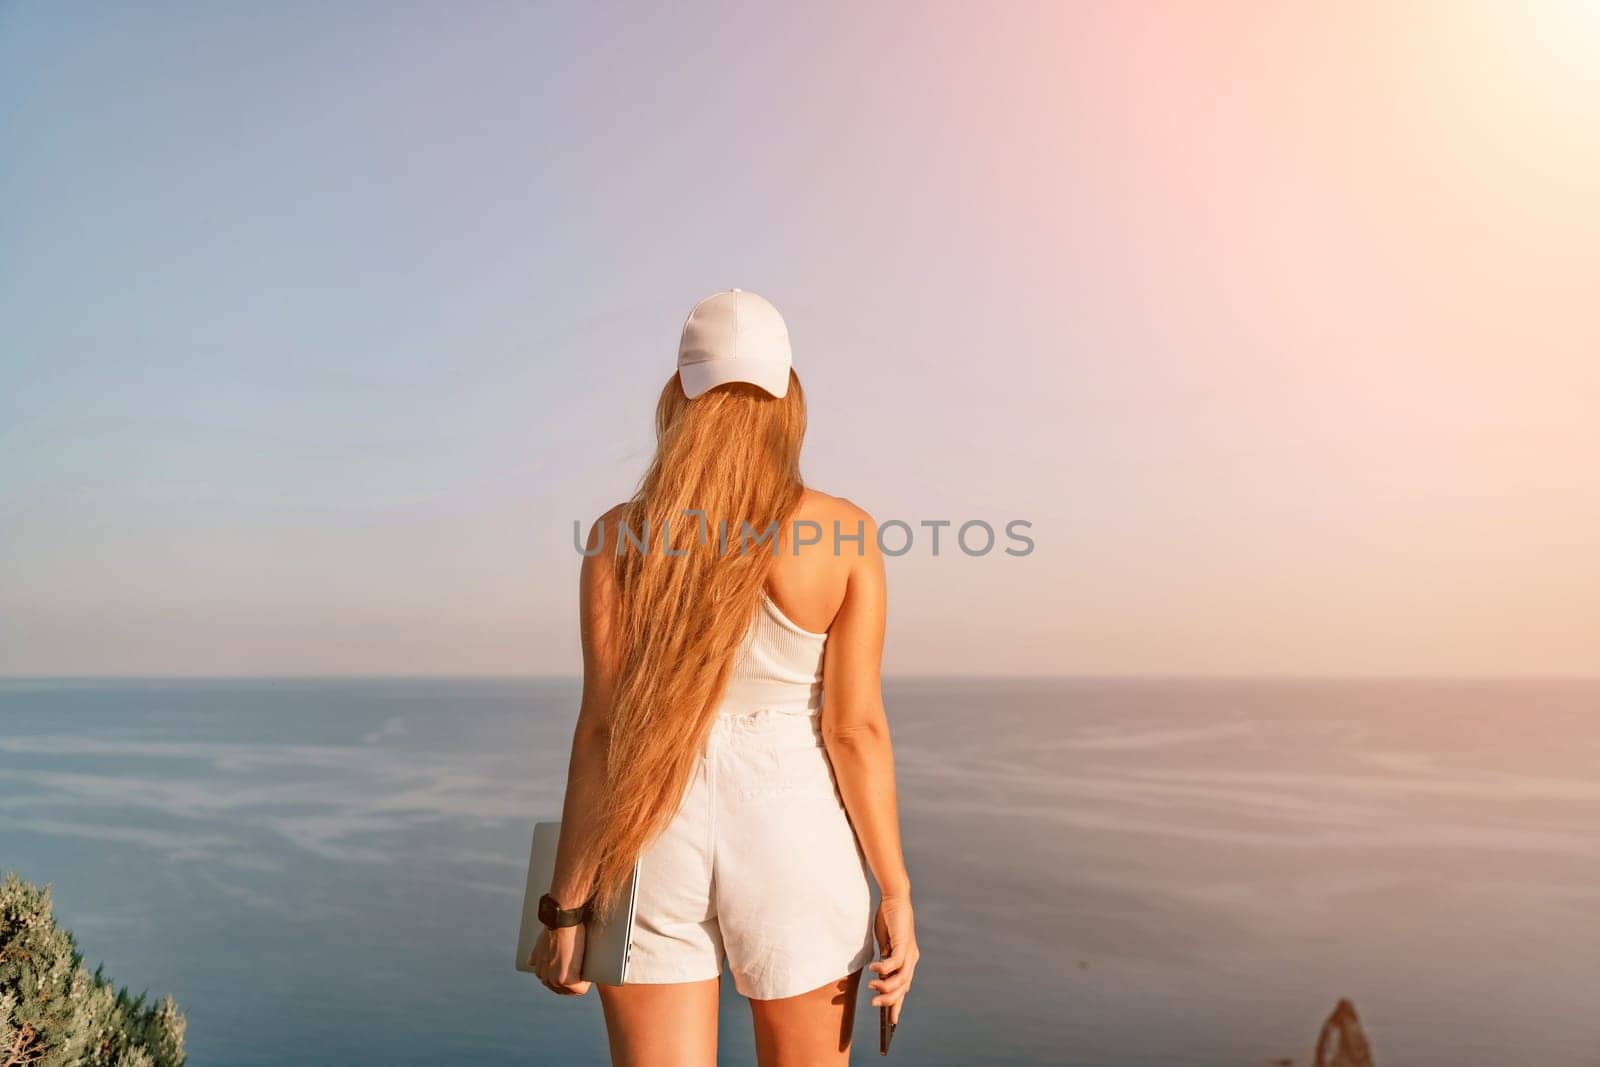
point(768, 724)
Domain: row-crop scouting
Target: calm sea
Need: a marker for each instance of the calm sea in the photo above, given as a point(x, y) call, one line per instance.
point(1107, 872)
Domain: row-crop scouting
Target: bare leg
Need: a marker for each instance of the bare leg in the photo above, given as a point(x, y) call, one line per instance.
point(809, 1030)
point(670, 1024)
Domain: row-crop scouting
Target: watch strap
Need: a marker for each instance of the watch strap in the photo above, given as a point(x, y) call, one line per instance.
point(555, 917)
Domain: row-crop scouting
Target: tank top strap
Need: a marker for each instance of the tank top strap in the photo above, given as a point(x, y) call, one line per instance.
point(778, 665)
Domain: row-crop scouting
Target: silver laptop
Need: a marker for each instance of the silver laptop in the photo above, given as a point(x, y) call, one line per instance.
point(606, 946)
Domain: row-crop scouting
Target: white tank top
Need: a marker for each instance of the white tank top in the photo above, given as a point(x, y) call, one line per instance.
point(778, 665)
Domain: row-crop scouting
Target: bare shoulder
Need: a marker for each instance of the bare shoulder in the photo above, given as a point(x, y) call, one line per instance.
point(599, 549)
point(844, 532)
point(849, 556)
point(604, 529)
point(825, 508)
point(613, 514)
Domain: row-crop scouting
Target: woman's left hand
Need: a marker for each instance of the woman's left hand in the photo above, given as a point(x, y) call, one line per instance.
point(558, 959)
point(897, 945)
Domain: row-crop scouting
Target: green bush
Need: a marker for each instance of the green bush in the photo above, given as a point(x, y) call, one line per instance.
point(55, 1013)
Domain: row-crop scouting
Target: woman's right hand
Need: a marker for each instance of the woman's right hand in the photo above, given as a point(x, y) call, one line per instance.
point(557, 958)
point(897, 945)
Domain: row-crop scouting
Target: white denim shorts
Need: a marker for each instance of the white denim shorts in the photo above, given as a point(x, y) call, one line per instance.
point(760, 864)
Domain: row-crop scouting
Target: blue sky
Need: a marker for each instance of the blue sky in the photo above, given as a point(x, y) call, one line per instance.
point(322, 323)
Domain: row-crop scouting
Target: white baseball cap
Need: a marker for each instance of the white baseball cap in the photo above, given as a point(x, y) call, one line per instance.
point(734, 336)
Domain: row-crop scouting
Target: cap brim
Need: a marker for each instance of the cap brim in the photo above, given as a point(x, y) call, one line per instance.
point(771, 375)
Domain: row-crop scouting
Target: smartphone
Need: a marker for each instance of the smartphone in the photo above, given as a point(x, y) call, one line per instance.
point(885, 1030)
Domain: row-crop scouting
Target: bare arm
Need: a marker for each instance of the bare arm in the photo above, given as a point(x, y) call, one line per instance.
point(587, 766)
point(854, 725)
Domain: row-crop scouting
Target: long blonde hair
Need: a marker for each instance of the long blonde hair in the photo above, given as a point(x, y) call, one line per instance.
point(733, 454)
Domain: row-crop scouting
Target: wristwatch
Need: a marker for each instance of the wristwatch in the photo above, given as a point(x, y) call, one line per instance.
point(555, 917)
